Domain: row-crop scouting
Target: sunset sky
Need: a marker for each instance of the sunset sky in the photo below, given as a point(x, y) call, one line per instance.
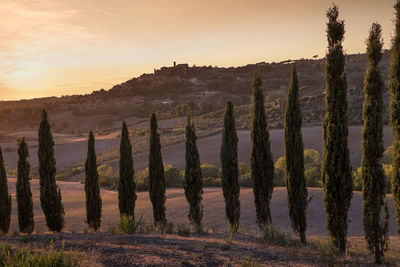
point(54, 48)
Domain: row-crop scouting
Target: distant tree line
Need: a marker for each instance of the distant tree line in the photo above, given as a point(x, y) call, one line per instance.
point(335, 172)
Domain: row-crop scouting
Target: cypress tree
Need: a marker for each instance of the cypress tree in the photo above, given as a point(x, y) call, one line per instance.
point(50, 195)
point(294, 160)
point(126, 186)
point(5, 198)
point(394, 86)
point(230, 169)
point(157, 184)
point(372, 173)
point(24, 194)
point(262, 165)
point(92, 188)
point(193, 183)
point(336, 168)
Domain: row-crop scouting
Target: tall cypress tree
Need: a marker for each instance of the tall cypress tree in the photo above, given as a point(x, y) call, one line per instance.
point(294, 159)
point(230, 169)
point(376, 232)
point(5, 198)
point(336, 168)
point(24, 194)
point(157, 184)
point(193, 183)
point(394, 86)
point(262, 165)
point(50, 195)
point(126, 186)
point(92, 188)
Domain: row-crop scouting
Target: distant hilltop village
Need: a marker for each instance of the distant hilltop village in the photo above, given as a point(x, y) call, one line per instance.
point(176, 69)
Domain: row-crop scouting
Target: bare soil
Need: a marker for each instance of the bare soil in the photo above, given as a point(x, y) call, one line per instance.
point(107, 249)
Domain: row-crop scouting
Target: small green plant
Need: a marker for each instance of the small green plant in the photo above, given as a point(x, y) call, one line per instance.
point(200, 230)
point(275, 237)
point(328, 254)
point(229, 239)
point(165, 228)
point(28, 257)
point(128, 225)
point(182, 230)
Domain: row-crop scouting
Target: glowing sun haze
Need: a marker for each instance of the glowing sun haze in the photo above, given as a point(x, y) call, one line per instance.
point(53, 48)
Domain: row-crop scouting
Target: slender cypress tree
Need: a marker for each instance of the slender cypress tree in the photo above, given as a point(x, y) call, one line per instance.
point(24, 194)
point(394, 86)
point(193, 183)
point(230, 169)
point(5, 198)
point(157, 184)
point(126, 186)
point(294, 159)
point(92, 188)
point(376, 232)
point(50, 195)
point(262, 165)
point(336, 168)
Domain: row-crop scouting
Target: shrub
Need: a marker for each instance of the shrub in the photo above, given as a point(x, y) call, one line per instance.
point(313, 177)
point(173, 177)
point(212, 182)
point(311, 158)
point(275, 237)
point(244, 168)
point(182, 230)
point(279, 172)
point(127, 224)
point(142, 180)
point(209, 170)
point(26, 257)
point(106, 177)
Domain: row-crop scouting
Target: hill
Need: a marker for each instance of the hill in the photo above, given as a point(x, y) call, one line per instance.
point(171, 90)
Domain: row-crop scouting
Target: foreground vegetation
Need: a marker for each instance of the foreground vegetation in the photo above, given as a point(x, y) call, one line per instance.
point(240, 249)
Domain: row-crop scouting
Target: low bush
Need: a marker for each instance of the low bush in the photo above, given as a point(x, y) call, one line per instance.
point(27, 257)
point(275, 237)
point(128, 225)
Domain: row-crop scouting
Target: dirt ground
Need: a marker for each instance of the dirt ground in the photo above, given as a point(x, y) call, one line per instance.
point(107, 248)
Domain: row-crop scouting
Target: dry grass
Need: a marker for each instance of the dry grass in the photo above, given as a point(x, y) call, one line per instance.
point(245, 248)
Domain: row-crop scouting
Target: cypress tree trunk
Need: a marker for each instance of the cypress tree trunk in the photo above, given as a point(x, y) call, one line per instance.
point(126, 186)
point(24, 194)
point(157, 185)
point(230, 170)
point(372, 150)
point(394, 86)
point(262, 165)
point(50, 195)
point(193, 183)
point(5, 198)
point(92, 188)
point(336, 168)
point(294, 159)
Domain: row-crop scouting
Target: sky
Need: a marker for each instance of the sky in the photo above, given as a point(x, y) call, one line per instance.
point(65, 47)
